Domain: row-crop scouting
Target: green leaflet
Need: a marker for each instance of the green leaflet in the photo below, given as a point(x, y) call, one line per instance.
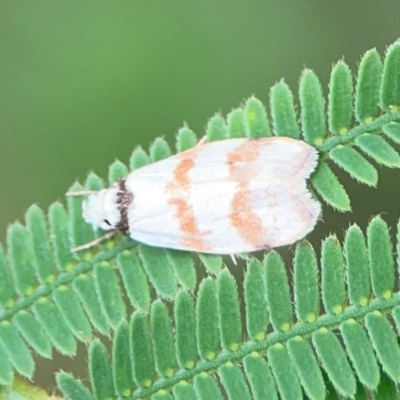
point(256, 305)
point(100, 371)
point(233, 381)
point(163, 339)
point(134, 279)
point(185, 139)
point(358, 275)
point(256, 117)
point(6, 283)
point(121, 361)
point(283, 113)
point(306, 289)
point(355, 164)
point(59, 235)
point(360, 353)
point(367, 88)
point(237, 127)
point(212, 263)
point(70, 308)
point(159, 150)
point(55, 326)
point(110, 298)
point(390, 86)
point(184, 391)
point(185, 330)
point(183, 267)
point(22, 259)
point(380, 258)
point(159, 270)
point(39, 236)
point(139, 158)
point(6, 371)
point(377, 148)
point(207, 320)
point(396, 316)
point(141, 350)
point(162, 395)
point(383, 340)
point(334, 361)
point(340, 99)
point(94, 182)
point(117, 170)
point(277, 292)
point(285, 375)
point(84, 286)
point(392, 131)
point(260, 378)
point(329, 188)
point(312, 108)
point(13, 345)
point(33, 333)
point(229, 311)
point(333, 284)
point(307, 368)
point(72, 388)
point(216, 129)
point(206, 388)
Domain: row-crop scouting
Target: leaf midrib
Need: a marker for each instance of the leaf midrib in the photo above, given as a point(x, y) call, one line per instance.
point(346, 138)
point(64, 278)
point(302, 329)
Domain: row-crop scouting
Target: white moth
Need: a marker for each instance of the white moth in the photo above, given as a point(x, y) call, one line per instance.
point(225, 197)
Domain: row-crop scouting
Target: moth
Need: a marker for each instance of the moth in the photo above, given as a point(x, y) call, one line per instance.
point(225, 197)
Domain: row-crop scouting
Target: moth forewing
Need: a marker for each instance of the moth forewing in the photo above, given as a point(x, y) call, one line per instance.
point(225, 197)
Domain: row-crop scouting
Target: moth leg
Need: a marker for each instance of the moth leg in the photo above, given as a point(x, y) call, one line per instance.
point(202, 141)
point(95, 242)
point(81, 193)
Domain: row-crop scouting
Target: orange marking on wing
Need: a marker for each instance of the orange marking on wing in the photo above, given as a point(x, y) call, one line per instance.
point(188, 225)
point(246, 222)
point(247, 152)
point(179, 194)
point(243, 219)
point(181, 173)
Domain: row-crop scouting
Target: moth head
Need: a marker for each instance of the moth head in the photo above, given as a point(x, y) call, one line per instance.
point(101, 209)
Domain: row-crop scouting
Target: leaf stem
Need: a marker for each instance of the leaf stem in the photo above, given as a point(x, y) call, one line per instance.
point(377, 124)
point(65, 278)
point(302, 329)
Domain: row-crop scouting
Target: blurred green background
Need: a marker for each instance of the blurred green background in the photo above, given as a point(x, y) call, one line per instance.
point(83, 82)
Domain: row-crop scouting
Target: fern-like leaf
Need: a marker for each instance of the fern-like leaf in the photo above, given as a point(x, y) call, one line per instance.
point(168, 341)
point(287, 336)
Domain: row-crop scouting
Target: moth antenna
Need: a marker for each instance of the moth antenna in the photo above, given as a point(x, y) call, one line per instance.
point(94, 242)
point(81, 193)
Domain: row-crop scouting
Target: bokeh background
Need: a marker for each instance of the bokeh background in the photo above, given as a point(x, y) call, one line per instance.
point(83, 82)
